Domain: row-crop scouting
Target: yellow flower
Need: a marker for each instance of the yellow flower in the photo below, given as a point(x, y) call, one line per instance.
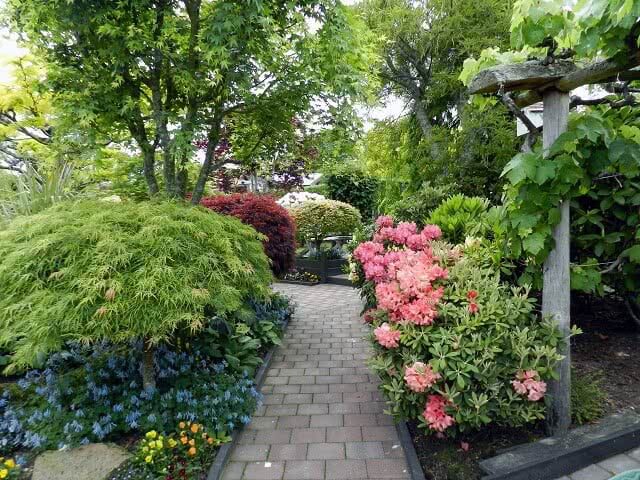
point(204, 436)
point(192, 451)
point(4, 473)
point(172, 443)
point(159, 444)
point(145, 449)
point(151, 435)
point(152, 445)
point(148, 459)
point(10, 463)
point(192, 442)
point(194, 428)
point(182, 425)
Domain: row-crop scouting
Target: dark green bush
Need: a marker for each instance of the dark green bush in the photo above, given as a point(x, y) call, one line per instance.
point(418, 206)
point(351, 185)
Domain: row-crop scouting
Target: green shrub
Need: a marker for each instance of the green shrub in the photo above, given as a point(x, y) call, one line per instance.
point(418, 206)
point(92, 270)
point(587, 397)
point(350, 185)
point(460, 216)
point(317, 220)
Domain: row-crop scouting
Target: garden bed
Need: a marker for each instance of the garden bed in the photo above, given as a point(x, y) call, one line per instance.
point(607, 349)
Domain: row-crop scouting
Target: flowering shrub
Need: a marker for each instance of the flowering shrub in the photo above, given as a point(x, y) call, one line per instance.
point(455, 348)
point(316, 220)
point(268, 218)
point(296, 199)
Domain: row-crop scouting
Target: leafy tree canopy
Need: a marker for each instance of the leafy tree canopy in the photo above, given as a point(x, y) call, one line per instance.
point(170, 72)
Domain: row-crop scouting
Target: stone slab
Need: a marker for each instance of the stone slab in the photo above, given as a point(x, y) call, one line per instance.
point(90, 462)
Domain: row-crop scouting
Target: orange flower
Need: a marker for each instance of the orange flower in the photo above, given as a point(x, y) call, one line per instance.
point(194, 428)
point(209, 440)
point(192, 442)
point(192, 451)
point(182, 425)
point(183, 440)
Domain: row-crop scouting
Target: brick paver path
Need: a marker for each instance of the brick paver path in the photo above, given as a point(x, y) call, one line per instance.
point(322, 416)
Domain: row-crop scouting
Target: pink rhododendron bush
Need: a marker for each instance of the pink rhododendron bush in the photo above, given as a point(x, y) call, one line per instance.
point(455, 348)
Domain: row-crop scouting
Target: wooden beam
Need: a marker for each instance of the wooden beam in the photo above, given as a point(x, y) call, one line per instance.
point(556, 292)
point(520, 76)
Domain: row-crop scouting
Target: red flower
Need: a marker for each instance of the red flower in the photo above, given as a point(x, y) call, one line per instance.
point(472, 295)
point(473, 307)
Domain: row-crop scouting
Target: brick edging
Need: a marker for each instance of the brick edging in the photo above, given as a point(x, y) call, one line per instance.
point(415, 469)
point(222, 457)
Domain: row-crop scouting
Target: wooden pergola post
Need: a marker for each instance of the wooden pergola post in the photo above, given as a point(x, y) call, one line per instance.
point(556, 292)
point(531, 82)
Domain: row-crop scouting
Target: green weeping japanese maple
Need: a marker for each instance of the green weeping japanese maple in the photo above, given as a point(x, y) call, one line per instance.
point(92, 270)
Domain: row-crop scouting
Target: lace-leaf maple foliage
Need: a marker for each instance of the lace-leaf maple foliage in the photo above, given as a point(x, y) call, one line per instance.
point(93, 270)
point(456, 348)
point(268, 218)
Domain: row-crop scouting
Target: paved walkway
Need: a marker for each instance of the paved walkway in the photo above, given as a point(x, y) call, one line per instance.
point(322, 416)
point(608, 468)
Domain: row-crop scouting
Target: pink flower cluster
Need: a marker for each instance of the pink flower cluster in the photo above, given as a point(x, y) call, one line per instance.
point(419, 377)
point(435, 415)
point(386, 336)
point(401, 263)
point(528, 383)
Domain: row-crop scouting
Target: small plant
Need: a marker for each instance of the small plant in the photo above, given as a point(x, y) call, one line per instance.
point(9, 468)
point(459, 217)
point(268, 218)
point(185, 453)
point(317, 220)
point(587, 397)
point(301, 275)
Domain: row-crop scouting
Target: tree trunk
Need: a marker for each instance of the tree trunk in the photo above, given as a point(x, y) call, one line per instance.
point(149, 160)
point(213, 138)
point(556, 281)
point(422, 117)
point(148, 368)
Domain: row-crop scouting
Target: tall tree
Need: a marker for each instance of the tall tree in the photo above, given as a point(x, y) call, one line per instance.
point(169, 71)
point(424, 44)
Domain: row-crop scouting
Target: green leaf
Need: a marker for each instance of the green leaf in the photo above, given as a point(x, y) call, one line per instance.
point(534, 243)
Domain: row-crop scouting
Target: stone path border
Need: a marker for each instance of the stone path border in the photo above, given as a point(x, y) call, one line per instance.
point(322, 416)
point(605, 469)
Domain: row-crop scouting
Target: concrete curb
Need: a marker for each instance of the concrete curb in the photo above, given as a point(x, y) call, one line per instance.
point(415, 469)
point(557, 456)
point(223, 455)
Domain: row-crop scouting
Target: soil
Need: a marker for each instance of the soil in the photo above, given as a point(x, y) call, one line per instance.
point(609, 347)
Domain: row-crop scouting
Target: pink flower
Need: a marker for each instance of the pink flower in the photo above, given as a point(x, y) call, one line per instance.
point(387, 337)
point(416, 242)
point(435, 415)
point(419, 377)
point(464, 446)
point(384, 221)
point(528, 383)
point(431, 232)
